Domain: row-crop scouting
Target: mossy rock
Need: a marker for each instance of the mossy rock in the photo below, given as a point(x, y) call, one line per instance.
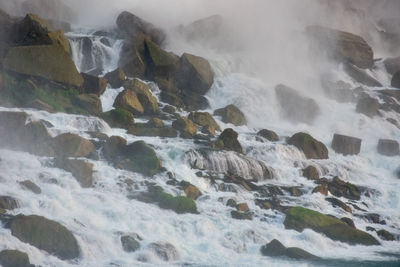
point(119, 118)
point(14, 258)
point(50, 62)
point(204, 119)
point(231, 114)
point(299, 218)
point(312, 148)
point(141, 158)
point(46, 235)
point(179, 204)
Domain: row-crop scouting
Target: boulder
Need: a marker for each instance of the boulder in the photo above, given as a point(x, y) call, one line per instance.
point(299, 218)
point(58, 38)
point(204, 119)
point(116, 78)
point(311, 173)
point(186, 127)
point(396, 80)
point(32, 30)
point(129, 101)
point(392, 65)
point(242, 207)
point(368, 106)
point(165, 251)
point(14, 258)
point(276, 249)
point(295, 107)
point(46, 235)
point(147, 100)
point(34, 138)
point(179, 204)
point(340, 188)
point(228, 140)
point(194, 74)
point(155, 123)
point(361, 76)
point(346, 145)
point(269, 135)
point(322, 189)
point(153, 131)
point(131, 242)
point(241, 215)
point(194, 101)
point(190, 190)
point(114, 147)
point(343, 46)
point(72, 145)
point(349, 222)
point(80, 169)
point(172, 99)
point(93, 84)
point(118, 118)
point(31, 186)
point(46, 61)
point(131, 25)
point(385, 235)
point(91, 103)
point(312, 148)
point(231, 114)
point(8, 203)
point(338, 90)
point(388, 147)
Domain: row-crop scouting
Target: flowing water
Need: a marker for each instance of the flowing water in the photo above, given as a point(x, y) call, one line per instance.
point(98, 215)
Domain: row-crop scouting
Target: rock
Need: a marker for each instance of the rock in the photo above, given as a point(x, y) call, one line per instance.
point(204, 119)
point(129, 101)
point(346, 145)
point(385, 235)
point(241, 215)
point(58, 38)
point(228, 140)
point(338, 203)
point(231, 114)
point(11, 123)
point(40, 105)
point(36, 139)
point(344, 46)
point(46, 61)
point(80, 169)
point(299, 218)
point(32, 30)
point(349, 222)
point(114, 147)
point(338, 90)
point(194, 74)
point(190, 190)
point(179, 204)
point(155, 123)
point(147, 131)
point(368, 106)
point(295, 107)
point(93, 85)
point(276, 249)
point(130, 243)
point(311, 173)
point(340, 188)
point(147, 100)
point(231, 203)
point(392, 65)
point(88, 102)
point(165, 251)
point(116, 78)
point(14, 258)
point(322, 189)
point(374, 218)
point(72, 145)
point(119, 118)
point(312, 148)
point(388, 147)
point(361, 76)
point(131, 25)
point(186, 127)
point(194, 101)
point(172, 99)
point(140, 157)
point(27, 184)
point(269, 135)
point(242, 207)
point(8, 203)
point(46, 235)
point(396, 80)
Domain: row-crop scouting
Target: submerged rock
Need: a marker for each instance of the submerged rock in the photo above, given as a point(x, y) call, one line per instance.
point(385, 235)
point(130, 242)
point(45, 234)
point(165, 251)
point(299, 218)
point(312, 148)
point(388, 147)
point(14, 258)
point(346, 145)
point(231, 114)
point(276, 249)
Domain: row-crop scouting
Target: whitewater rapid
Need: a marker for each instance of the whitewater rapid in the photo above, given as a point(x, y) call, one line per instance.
point(98, 215)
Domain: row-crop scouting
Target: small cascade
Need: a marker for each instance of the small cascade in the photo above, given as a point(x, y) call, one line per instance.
point(95, 54)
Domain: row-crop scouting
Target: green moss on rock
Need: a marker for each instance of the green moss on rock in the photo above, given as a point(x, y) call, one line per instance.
point(179, 204)
point(141, 158)
point(119, 118)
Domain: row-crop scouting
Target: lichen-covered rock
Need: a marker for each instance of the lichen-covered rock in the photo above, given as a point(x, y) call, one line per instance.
point(194, 74)
point(129, 101)
point(296, 107)
point(312, 148)
point(186, 127)
point(147, 100)
point(119, 118)
point(46, 61)
point(231, 114)
point(72, 145)
point(45, 234)
point(388, 147)
point(346, 145)
point(93, 84)
point(228, 140)
point(14, 258)
point(82, 170)
point(299, 218)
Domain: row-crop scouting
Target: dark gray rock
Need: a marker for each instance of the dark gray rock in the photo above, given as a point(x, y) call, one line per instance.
point(346, 145)
point(388, 147)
